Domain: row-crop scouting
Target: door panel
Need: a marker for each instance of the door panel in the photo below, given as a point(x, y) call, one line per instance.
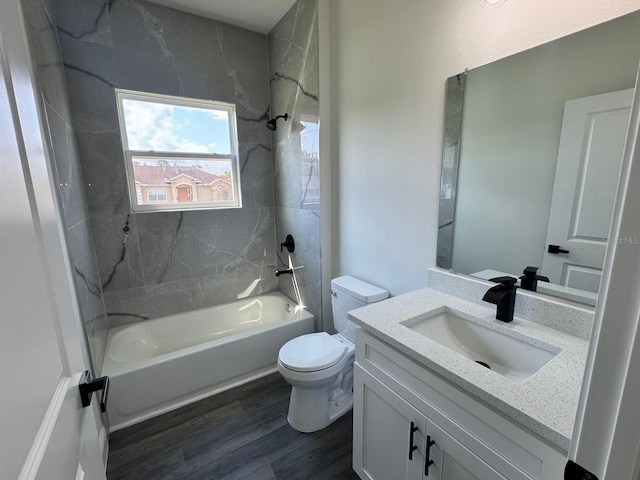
point(453, 461)
point(582, 277)
point(42, 423)
point(382, 432)
point(30, 359)
point(454, 470)
point(605, 438)
point(591, 145)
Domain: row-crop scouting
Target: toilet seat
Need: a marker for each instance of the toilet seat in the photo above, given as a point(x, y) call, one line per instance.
point(312, 352)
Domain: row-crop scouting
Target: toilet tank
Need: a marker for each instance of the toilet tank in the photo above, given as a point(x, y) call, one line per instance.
point(348, 293)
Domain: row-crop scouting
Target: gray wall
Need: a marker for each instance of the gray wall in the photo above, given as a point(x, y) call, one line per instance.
point(389, 114)
point(513, 112)
point(67, 174)
point(168, 262)
point(293, 66)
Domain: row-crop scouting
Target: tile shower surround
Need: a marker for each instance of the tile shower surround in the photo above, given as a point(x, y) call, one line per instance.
point(293, 63)
point(166, 263)
point(67, 174)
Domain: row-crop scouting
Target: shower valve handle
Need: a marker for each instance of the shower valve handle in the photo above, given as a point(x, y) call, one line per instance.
point(289, 243)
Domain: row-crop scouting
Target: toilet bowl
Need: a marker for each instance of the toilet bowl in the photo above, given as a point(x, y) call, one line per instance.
point(319, 366)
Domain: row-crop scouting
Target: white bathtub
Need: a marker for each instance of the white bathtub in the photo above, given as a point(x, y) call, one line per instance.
point(162, 364)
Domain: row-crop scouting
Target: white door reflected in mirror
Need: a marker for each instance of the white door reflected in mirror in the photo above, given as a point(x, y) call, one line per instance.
point(592, 142)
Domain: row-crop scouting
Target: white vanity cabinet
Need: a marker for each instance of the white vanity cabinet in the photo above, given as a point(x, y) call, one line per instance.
point(396, 441)
point(389, 430)
point(399, 404)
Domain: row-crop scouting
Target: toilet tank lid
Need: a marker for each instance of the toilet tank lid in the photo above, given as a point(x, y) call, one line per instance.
point(363, 291)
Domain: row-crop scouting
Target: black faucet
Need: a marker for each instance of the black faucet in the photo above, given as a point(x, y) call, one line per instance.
point(504, 296)
point(529, 281)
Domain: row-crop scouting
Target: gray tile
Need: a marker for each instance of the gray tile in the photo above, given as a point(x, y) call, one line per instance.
point(293, 64)
point(173, 52)
point(86, 20)
point(256, 179)
point(451, 152)
point(91, 78)
point(304, 225)
point(177, 245)
point(104, 172)
point(117, 251)
point(310, 296)
point(46, 56)
point(137, 70)
point(88, 290)
point(68, 175)
point(172, 262)
point(248, 281)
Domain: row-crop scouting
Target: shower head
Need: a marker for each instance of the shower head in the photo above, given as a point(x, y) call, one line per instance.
point(271, 124)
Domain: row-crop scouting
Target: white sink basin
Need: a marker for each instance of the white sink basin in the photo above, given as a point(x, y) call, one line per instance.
point(511, 357)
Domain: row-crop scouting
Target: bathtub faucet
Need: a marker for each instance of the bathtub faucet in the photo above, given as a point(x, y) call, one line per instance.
point(282, 272)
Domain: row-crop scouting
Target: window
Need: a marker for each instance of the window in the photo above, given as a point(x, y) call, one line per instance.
point(155, 194)
point(180, 153)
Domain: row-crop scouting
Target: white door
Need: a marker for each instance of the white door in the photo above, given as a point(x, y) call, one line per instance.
point(385, 431)
point(44, 431)
point(606, 435)
point(591, 147)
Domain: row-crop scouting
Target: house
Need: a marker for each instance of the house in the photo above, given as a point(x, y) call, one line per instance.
point(175, 183)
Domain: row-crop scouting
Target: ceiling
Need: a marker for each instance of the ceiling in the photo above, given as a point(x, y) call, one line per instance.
point(257, 15)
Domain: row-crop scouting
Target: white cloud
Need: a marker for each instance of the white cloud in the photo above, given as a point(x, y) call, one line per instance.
point(218, 115)
point(153, 126)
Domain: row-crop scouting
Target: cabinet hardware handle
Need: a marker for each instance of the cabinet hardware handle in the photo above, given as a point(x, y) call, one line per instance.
point(427, 461)
point(412, 447)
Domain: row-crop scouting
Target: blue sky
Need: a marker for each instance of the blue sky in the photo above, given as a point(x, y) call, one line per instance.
point(170, 128)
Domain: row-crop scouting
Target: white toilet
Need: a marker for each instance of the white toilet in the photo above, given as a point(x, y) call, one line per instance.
point(319, 366)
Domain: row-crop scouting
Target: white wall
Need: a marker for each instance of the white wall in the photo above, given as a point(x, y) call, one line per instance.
point(392, 62)
point(513, 112)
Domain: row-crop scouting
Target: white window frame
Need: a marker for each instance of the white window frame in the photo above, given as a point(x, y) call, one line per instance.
point(129, 154)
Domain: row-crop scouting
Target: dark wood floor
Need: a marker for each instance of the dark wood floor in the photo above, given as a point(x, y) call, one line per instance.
point(239, 434)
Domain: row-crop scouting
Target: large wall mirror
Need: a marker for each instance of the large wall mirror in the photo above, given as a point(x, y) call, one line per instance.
point(532, 153)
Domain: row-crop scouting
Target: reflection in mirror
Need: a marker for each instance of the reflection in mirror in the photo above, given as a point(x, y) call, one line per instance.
point(532, 158)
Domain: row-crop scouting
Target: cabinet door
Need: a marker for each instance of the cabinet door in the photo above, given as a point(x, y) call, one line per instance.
point(453, 461)
point(382, 424)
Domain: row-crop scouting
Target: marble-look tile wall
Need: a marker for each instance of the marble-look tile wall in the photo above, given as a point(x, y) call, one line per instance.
point(293, 67)
point(449, 176)
point(68, 174)
point(156, 264)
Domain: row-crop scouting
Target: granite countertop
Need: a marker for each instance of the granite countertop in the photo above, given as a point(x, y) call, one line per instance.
point(546, 403)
